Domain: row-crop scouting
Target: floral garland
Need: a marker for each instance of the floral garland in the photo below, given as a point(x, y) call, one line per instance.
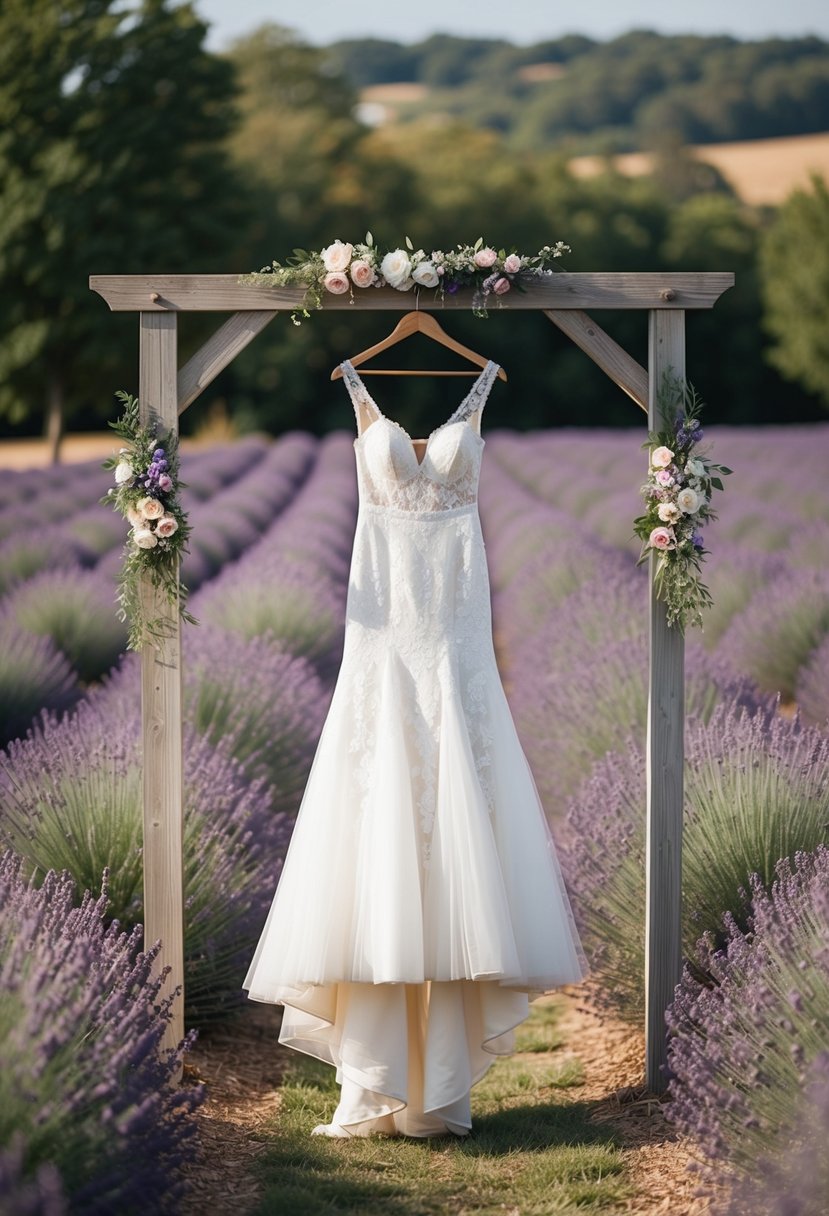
point(342, 266)
point(146, 493)
point(677, 495)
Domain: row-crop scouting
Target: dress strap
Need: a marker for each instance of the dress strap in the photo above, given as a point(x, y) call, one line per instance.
point(365, 408)
point(473, 403)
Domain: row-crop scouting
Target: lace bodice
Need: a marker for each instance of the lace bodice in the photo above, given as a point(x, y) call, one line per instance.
point(389, 473)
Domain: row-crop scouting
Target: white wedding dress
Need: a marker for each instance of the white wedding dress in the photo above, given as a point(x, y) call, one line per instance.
point(421, 904)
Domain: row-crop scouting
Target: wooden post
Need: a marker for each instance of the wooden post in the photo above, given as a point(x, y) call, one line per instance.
point(665, 754)
point(161, 704)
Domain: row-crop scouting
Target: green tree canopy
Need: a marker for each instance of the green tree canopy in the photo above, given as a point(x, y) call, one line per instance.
point(112, 118)
point(794, 267)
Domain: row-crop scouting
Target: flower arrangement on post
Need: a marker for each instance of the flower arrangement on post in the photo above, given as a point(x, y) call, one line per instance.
point(146, 493)
point(342, 266)
point(677, 495)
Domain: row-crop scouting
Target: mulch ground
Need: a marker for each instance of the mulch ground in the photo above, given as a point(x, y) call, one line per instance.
point(242, 1064)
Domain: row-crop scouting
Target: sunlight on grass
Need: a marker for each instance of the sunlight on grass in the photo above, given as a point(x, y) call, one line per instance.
point(533, 1151)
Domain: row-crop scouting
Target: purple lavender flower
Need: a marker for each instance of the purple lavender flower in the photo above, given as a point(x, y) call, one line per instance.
point(84, 1080)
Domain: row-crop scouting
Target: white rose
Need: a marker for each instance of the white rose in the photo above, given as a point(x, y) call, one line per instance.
point(135, 517)
point(396, 269)
point(166, 526)
point(150, 508)
point(337, 256)
point(123, 472)
point(144, 538)
point(668, 512)
point(688, 500)
point(425, 275)
point(695, 468)
point(661, 458)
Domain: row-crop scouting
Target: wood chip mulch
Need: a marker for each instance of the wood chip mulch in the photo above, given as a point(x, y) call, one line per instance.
point(242, 1064)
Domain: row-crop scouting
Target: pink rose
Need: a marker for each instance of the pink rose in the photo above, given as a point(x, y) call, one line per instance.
point(662, 538)
point(512, 264)
point(165, 483)
point(150, 508)
point(166, 526)
point(664, 478)
point(661, 457)
point(485, 257)
point(501, 286)
point(336, 282)
point(337, 256)
point(362, 273)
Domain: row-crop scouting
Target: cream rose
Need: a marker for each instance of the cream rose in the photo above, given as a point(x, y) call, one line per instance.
point(123, 472)
point(396, 269)
point(688, 500)
point(362, 273)
point(661, 457)
point(425, 275)
point(166, 526)
point(144, 538)
point(485, 257)
point(336, 282)
point(668, 512)
point(135, 517)
point(512, 263)
point(150, 508)
point(337, 256)
point(662, 538)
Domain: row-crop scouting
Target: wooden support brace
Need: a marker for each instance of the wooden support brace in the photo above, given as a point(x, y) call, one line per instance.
point(665, 756)
point(612, 358)
point(219, 350)
point(161, 708)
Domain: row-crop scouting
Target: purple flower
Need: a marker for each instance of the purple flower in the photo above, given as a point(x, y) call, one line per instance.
point(452, 287)
point(159, 454)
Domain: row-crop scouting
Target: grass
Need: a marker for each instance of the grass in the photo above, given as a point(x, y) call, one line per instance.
point(533, 1150)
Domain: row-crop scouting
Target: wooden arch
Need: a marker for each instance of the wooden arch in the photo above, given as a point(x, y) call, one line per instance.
point(165, 391)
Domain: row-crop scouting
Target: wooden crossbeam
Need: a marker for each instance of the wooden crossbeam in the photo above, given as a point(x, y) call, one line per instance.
point(219, 350)
point(612, 358)
point(224, 293)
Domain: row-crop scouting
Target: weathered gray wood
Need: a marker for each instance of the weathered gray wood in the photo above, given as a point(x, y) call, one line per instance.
point(219, 350)
point(161, 706)
point(224, 293)
point(665, 758)
point(612, 358)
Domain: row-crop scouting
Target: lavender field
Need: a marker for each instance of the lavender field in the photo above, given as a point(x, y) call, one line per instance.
point(268, 568)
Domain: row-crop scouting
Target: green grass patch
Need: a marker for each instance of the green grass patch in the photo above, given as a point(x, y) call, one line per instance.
point(533, 1150)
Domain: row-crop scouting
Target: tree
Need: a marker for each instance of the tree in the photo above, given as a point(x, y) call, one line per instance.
point(794, 268)
point(111, 122)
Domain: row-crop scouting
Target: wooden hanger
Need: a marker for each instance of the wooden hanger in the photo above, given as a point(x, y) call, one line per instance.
point(417, 323)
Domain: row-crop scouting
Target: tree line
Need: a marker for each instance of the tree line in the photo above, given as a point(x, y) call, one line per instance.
point(128, 148)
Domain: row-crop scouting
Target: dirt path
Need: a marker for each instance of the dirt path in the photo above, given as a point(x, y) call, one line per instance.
point(242, 1063)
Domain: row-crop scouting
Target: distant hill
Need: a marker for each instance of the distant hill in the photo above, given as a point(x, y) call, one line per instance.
point(588, 96)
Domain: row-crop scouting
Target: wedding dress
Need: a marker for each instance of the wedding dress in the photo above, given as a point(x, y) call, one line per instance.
point(421, 904)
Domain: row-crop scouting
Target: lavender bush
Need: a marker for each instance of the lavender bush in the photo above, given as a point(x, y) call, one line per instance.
point(26, 554)
point(756, 791)
point(76, 609)
point(40, 1194)
point(783, 623)
point(33, 674)
point(812, 690)
point(85, 1090)
point(72, 799)
point(744, 1047)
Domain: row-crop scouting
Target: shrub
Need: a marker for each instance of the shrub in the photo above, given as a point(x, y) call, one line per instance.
point(77, 610)
point(812, 690)
point(33, 675)
point(24, 555)
point(774, 636)
point(744, 1040)
point(84, 1081)
point(72, 799)
point(756, 791)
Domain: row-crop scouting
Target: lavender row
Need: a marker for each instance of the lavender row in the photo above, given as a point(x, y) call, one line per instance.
point(91, 1118)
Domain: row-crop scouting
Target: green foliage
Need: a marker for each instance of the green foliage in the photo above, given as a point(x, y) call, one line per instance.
point(794, 267)
point(112, 161)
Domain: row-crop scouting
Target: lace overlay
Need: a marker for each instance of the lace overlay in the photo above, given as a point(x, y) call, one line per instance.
point(421, 851)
